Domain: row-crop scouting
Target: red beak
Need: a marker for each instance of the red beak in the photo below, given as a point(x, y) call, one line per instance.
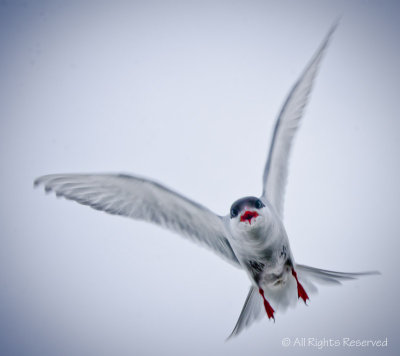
point(248, 215)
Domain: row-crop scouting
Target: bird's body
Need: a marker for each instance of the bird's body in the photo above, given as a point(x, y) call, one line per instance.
point(252, 237)
point(259, 241)
point(261, 245)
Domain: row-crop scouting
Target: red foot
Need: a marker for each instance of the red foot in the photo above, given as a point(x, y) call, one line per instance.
point(301, 293)
point(267, 306)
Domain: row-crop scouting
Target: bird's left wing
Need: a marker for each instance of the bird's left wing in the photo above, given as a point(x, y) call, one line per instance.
point(287, 123)
point(143, 199)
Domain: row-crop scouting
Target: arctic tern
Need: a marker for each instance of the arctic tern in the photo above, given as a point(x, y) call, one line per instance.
point(252, 236)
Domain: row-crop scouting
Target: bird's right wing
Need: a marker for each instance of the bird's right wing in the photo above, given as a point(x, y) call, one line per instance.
point(287, 124)
point(143, 199)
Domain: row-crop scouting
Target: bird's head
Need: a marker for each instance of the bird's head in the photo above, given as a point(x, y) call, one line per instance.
point(247, 214)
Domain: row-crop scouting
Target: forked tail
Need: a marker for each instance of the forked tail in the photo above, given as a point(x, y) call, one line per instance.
point(287, 296)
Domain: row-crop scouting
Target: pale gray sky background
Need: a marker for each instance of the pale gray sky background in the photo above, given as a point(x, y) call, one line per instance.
point(186, 92)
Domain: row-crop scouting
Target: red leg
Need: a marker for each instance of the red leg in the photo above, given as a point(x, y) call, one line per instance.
point(267, 306)
point(301, 293)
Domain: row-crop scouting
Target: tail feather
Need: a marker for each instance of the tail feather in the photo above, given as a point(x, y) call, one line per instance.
point(252, 310)
point(286, 296)
point(322, 276)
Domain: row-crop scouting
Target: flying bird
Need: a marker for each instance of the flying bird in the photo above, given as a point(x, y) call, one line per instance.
point(251, 236)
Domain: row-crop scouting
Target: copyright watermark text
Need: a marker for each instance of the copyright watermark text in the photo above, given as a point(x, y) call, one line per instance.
point(321, 343)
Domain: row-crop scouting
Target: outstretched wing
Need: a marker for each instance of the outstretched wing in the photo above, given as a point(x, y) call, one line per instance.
point(143, 199)
point(287, 124)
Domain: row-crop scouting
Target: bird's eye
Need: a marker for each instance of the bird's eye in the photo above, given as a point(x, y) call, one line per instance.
point(234, 213)
point(259, 204)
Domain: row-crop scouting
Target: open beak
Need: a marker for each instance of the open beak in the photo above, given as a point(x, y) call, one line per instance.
point(248, 215)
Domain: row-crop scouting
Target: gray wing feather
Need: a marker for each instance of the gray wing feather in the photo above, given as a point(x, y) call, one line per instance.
point(143, 199)
point(287, 124)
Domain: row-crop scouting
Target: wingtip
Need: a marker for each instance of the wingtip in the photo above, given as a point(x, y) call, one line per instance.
point(42, 181)
point(330, 33)
point(39, 181)
point(36, 182)
point(335, 24)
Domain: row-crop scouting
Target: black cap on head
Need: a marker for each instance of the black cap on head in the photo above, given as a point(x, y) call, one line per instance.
point(250, 202)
